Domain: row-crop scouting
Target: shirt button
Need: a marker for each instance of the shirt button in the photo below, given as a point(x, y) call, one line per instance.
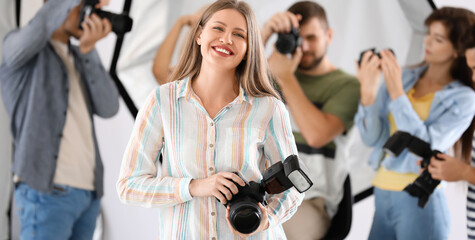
point(212, 213)
point(211, 124)
point(211, 169)
point(213, 238)
point(211, 145)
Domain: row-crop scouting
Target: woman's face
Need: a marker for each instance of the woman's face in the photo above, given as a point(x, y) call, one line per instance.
point(223, 39)
point(470, 55)
point(439, 49)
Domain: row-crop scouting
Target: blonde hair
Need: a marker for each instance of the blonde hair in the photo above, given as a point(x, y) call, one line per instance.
point(252, 73)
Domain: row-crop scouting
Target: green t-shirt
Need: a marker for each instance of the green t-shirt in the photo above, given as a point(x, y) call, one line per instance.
point(336, 93)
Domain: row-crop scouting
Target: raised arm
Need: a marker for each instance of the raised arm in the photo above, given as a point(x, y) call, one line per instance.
point(161, 64)
point(281, 22)
point(22, 44)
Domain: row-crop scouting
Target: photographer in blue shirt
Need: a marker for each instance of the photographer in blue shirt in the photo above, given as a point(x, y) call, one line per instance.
point(434, 102)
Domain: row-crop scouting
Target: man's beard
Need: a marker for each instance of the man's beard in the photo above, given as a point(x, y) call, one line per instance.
point(313, 64)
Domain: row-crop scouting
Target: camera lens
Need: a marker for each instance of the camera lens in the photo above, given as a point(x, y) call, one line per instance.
point(288, 42)
point(245, 216)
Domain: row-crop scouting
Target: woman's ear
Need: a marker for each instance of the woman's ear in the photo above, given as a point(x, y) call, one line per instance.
point(198, 34)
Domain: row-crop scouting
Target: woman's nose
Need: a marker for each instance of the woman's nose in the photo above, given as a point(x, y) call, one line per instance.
point(226, 38)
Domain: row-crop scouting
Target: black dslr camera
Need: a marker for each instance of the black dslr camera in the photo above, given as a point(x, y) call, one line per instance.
point(424, 185)
point(244, 214)
point(121, 23)
point(374, 53)
point(288, 42)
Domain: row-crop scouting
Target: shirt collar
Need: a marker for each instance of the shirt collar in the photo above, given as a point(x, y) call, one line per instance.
point(185, 91)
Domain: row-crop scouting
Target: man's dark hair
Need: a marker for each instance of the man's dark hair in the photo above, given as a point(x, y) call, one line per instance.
point(308, 10)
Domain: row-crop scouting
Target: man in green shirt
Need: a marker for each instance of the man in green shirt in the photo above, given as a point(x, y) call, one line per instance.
point(322, 100)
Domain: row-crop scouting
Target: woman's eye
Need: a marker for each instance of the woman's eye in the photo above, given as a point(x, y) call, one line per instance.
point(239, 35)
point(218, 28)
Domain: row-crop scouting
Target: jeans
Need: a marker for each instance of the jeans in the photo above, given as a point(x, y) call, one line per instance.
point(65, 213)
point(398, 216)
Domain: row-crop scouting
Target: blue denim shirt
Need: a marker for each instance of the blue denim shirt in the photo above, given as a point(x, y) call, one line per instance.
point(35, 88)
point(451, 113)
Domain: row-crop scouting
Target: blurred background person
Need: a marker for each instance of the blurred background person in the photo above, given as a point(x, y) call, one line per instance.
point(434, 102)
point(322, 100)
point(51, 89)
point(461, 167)
point(163, 58)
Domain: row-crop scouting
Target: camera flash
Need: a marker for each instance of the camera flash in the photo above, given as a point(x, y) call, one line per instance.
point(300, 181)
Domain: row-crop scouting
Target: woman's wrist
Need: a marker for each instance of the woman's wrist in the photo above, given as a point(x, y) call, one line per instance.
point(395, 94)
point(367, 99)
point(468, 173)
point(192, 187)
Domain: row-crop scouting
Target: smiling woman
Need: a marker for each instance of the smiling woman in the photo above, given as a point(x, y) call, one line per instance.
point(219, 115)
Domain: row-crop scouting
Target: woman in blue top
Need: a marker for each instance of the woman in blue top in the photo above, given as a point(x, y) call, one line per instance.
point(434, 102)
point(454, 169)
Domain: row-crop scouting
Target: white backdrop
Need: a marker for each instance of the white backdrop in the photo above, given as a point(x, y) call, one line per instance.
point(358, 24)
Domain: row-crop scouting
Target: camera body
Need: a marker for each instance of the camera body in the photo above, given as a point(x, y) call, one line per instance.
point(245, 214)
point(378, 54)
point(288, 42)
point(424, 185)
point(121, 23)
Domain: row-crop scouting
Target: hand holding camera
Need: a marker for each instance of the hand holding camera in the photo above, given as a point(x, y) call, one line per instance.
point(368, 72)
point(424, 185)
point(121, 23)
point(369, 67)
point(94, 29)
point(222, 186)
point(281, 22)
point(450, 169)
point(246, 212)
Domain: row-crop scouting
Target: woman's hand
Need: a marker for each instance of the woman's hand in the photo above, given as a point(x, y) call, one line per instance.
point(262, 227)
point(368, 75)
point(219, 185)
point(449, 169)
point(392, 74)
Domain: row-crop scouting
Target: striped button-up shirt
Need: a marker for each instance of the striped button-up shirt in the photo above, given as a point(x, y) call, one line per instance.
point(246, 136)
